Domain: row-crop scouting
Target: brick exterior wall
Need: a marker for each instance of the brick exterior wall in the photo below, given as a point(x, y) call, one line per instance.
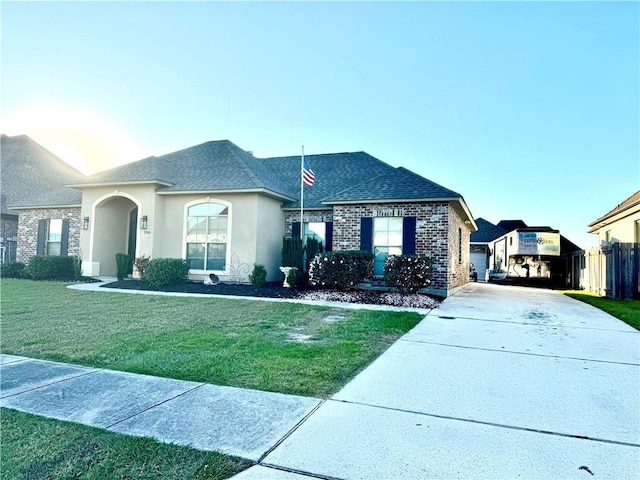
point(435, 224)
point(28, 229)
point(309, 216)
point(458, 272)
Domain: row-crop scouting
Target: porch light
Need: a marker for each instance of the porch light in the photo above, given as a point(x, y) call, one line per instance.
point(85, 223)
point(143, 222)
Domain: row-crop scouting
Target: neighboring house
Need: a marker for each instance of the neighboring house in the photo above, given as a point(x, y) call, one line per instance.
point(620, 224)
point(222, 209)
point(513, 249)
point(481, 245)
point(36, 205)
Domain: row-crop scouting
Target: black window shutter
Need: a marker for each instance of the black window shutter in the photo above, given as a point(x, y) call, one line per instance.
point(409, 235)
point(42, 237)
point(64, 238)
point(295, 230)
point(366, 234)
point(329, 237)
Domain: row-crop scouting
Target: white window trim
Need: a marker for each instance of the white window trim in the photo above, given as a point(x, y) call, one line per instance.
point(185, 216)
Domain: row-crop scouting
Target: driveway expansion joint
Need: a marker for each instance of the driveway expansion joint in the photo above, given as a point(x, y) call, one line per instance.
point(491, 424)
point(518, 353)
point(299, 472)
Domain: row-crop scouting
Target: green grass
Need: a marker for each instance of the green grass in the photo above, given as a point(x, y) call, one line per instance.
point(626, 310)
point(233, 342)
point(40, 448)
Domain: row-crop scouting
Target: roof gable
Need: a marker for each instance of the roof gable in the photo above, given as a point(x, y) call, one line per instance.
point(487, 232)
point(30, 172)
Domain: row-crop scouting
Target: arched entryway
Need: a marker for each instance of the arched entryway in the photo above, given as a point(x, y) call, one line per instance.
point(115, 231)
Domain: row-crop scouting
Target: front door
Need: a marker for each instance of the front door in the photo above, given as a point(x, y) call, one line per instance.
point(133, 230)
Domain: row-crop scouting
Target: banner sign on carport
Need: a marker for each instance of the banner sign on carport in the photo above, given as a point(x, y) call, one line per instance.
point(538, 243)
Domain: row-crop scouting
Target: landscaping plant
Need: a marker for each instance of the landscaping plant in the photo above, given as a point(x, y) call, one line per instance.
point(408, 273)
point(343, 270)
point(258, 276)
point(162, 272)
point(140, 263)
point(49, 267)
point(12, 270)
point(292, 252)
point(122, 265)
point(314, 247)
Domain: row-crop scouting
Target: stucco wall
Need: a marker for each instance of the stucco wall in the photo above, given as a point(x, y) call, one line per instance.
point(28, 230)
point(621, 230)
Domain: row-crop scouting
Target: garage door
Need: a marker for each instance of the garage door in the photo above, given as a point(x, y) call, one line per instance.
point(480, 261)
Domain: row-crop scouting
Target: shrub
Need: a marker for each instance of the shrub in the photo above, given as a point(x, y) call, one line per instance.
point(141, 264)
point(77, 268)
point(364, 261)
point(122, 265)
point(11, 270)
point(313, 248)
point(292, 278)
point(162, 272)
point(408, 273)
point(258, 276)
point(341, 270)
point(49, 267)
point(292, 252)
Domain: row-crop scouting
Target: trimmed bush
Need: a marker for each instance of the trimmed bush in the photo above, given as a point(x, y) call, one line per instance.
point(12, 270)
point(292, 252)
point(50, 267)
point(162, 272)
point(408, 273)
point(343, 270)
point(292, 278)
point(77, 268)
point(258, 276)
point(123, 261)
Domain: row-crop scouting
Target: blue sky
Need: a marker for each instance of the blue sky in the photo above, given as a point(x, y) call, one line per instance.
point(529, 110)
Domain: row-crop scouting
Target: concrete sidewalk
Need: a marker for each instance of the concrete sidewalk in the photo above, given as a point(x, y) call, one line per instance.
point(499, 382)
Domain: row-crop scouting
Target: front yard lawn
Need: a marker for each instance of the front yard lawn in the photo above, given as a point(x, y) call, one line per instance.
point(626, 310)
point(36, 448)
point(287, 348)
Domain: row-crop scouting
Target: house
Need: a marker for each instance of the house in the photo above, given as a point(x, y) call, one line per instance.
point(31, 175)
point(512, 249)
point(222, 209)
point(620, 224)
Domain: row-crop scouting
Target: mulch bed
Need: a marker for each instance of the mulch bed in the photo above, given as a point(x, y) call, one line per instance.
point(275, 290)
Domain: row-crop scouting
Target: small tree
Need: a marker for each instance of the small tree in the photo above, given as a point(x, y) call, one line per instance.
point(313, 248)
point(292, 252)
point(258, 276)
point(122, 265)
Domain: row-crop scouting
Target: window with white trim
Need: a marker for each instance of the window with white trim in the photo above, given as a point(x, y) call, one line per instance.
point(207, 236)
point(387, 240)
point(54, 237)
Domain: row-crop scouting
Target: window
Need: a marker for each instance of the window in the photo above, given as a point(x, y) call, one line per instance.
point(316, 230)
point(54, 237)
point(207, 235)
point(387, 240)
point(460, 245)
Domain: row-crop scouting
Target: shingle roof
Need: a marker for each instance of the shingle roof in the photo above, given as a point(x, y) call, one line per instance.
point(211, 166)
point(334, 172)
point(32, 175)
point(509, 225)
point(487, 232)
point(398, 184)
point(624, 205)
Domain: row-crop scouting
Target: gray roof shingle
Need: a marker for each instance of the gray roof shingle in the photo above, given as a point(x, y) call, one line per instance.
point(33, 176)
point(487, 232)
point(398, 184)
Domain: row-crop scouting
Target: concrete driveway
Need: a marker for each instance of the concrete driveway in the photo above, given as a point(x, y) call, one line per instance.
point(498, 383)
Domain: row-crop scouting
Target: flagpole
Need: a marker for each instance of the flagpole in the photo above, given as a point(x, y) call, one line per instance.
point(302, 193)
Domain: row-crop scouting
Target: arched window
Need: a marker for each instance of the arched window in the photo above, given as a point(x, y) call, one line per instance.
point(207, 236)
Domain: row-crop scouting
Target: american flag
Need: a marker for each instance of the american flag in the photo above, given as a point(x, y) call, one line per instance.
point(308, 176)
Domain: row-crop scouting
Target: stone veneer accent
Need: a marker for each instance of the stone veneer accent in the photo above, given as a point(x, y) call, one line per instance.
point(437, 226)
point(28, 229)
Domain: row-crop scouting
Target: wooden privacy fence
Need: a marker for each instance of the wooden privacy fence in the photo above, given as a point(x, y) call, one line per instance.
point(613, 271)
